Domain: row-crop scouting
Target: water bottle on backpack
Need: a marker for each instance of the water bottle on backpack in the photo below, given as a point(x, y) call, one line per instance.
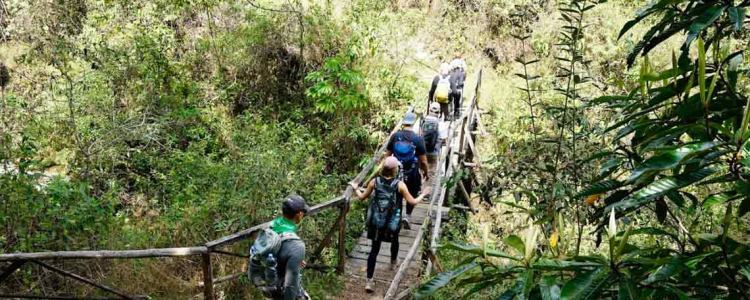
point(395, 219)
point(270, 269)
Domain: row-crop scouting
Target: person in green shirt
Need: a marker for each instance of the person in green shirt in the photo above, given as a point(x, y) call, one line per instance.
point(291, 257)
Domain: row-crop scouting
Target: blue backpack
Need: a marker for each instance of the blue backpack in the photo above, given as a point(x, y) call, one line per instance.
point(405, 151)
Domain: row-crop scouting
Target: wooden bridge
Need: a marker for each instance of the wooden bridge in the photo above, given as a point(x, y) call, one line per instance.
point(458, 152)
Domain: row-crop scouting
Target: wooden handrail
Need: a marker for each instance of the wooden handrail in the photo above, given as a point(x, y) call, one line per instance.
point(104, 254)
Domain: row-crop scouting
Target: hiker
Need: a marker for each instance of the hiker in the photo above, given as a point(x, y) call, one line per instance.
point(278, 254)
point(458, 75)
point(440, 91)
point(409, 148)
point(433, 133)
point(383, 213)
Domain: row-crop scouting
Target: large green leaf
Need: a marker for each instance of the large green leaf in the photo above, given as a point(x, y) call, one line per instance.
point(586, 286)
point(666, 271)
point(737, 17)
point(441, 280)
point(509, 294)
point(717, 199)
point(706, 19)
point(628, 290)
point(548, 287)
point(600, 187)
point(670, 159)
point(645, 12)
point(660, 188)
point(544, 264)
point(515, 242)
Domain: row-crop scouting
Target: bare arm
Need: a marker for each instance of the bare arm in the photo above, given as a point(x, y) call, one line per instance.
point(411, 200)
point(425, 166)
point(367, 192)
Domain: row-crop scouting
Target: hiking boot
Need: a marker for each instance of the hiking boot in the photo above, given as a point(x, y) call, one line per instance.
point(370, 286)
point(393, 265)
point(405, 222)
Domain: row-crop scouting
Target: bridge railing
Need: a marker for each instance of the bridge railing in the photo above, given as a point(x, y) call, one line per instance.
point(18, 260)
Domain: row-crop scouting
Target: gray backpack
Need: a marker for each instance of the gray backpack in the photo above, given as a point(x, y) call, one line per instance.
point(264, 255)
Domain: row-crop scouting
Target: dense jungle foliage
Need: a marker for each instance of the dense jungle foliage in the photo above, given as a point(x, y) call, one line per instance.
point(616, 165)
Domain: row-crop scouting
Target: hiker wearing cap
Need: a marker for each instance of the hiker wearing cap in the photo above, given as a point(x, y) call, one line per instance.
point(384, 213)
point(458, 76)
point(278, 254)
point(409, 148)
point(433, 132)
point(441, 90)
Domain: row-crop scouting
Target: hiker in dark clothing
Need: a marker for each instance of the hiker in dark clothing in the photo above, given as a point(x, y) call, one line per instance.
point(384, 187)
point(409, 148)
point(458, 75)
point(292, 252)
point(440, 91)
point(278, 254)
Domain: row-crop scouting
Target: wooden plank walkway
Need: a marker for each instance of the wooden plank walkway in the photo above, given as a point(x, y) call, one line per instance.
point(356, 264)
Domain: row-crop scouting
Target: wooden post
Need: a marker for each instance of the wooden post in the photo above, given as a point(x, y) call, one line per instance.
point(208, 278)
point(342, 239)
point(327, 239)
point(12, 268)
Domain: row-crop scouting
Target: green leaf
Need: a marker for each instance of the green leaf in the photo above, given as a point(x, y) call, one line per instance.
point(661, 187)
point(600, 187)
point(548, 287)
point(477, 250)
point(528, 282)
point(515, 242)
point(737, 17)
point(545, 264)
point(716, 199)
point(703, 21)
point(587, 285)
point(628, 290)
point(441, 280)
point(666, 271)
point(670, 159)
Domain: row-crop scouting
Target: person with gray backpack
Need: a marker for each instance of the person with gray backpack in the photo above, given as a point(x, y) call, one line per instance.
point(278, 254)
point(386, 193)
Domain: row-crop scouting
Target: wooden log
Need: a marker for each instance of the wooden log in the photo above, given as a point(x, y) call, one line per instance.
point(226, 278)
point(467, 197)
point(404, 265)
point(5, 296)
point(342, 240)
point(217, 251)
point(482, 131)
point(438, 221)
point(477, 160)
point(327, 239)
point(85, 280)
point(11, 269)
point(405, 294)
point(460, 207)
point(470, 165)
point(208, 277)
point(435, 262)
point(104, 254)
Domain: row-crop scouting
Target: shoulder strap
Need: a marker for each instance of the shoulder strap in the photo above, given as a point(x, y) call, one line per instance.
point(288, 236)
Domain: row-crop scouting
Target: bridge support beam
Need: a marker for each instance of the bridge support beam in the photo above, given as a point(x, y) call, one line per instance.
point(342, 238)
point(208, 278)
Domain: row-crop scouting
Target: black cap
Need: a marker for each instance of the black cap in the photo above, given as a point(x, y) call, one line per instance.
point(294, 204)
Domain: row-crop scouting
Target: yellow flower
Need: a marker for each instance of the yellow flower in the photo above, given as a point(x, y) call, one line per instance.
point(590, 200)
point(553, 240)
